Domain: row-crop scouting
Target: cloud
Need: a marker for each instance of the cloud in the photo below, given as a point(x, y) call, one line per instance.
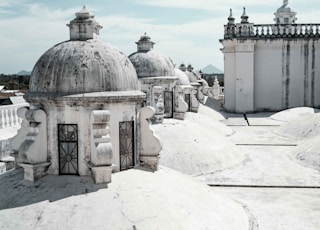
point(208, 4)
point(26, 37)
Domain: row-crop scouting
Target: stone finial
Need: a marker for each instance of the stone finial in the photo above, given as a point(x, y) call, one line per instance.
point(84, 26)
point(231, 19)
point(244, 17)
point(190, 68)
point(145, 43)
point(183, 67)
point(285, 3)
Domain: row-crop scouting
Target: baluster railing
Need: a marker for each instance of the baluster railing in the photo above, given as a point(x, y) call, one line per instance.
point(9, 116)
point(274, 31)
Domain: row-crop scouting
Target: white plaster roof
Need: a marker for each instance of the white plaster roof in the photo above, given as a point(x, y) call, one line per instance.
point(151, 64)
point(307, 126)
point(136, 199)
point(199, 145)
point(183, 78)
point(82, 67)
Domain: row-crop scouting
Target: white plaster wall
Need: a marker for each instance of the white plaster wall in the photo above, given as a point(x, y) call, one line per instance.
point(81, 116)
point(267, 73)
point(245, 76)
point(286, 74)
point(229, 76)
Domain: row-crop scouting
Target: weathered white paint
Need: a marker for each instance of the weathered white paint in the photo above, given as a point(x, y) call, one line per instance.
point(271, 67)
point(76, 109)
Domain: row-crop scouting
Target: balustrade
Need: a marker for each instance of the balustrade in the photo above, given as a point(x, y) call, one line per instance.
point(274, 31)
point(9, 116)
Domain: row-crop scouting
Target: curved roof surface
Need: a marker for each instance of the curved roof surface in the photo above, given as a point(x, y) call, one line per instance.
point(151, 64)
point(182, 77)
point(82, 67)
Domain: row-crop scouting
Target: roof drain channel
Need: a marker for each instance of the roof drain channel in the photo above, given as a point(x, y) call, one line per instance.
point(245, 117)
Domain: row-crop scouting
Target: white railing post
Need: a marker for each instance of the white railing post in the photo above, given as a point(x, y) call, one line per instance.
point(9, 116)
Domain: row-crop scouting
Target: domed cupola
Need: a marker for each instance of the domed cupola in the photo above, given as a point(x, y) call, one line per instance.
point(84, 63)
point(182, 77)
point(285, 15)
point(150, 63)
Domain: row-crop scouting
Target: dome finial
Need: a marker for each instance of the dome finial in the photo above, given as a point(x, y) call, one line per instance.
point(145, 43)
point(90, 27)
point(244, 17)
point(230, 18)
point(285, 3)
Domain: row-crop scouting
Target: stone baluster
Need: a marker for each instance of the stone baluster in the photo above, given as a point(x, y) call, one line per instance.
point(268, 30)
point(1, 119)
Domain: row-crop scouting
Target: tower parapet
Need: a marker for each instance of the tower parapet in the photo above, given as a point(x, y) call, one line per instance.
point(285, 26)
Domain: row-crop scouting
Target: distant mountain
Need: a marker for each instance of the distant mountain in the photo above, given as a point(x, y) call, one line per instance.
point(24, 72)
point(210, 69)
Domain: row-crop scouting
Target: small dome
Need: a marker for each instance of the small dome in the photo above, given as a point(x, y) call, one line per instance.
point(192, 75)
point(182, 77)
point(81, 67)
point(149, 63)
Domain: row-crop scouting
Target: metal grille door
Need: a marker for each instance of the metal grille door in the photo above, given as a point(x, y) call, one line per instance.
point(188, 101)
point(126, 145)
point(168, 104)
point(68, 149)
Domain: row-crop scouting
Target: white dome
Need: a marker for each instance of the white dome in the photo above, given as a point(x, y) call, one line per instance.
point(183, 78)
point(151, 64)
point(81, 67)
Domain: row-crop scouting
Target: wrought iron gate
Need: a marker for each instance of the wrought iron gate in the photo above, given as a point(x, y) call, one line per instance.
point(126, 139)
point(68, 149)
point(168, 104)
point(187, 99)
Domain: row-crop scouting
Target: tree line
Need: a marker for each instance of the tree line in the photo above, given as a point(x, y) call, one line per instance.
point(15, 82)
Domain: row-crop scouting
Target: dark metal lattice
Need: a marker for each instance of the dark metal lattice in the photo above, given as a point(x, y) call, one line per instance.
point(188, 101)
point(168, 104)
point(68, 149)
point(126, 145)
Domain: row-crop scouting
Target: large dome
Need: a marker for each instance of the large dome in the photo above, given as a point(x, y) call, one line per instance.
point(83, 66)
point(150, 63)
